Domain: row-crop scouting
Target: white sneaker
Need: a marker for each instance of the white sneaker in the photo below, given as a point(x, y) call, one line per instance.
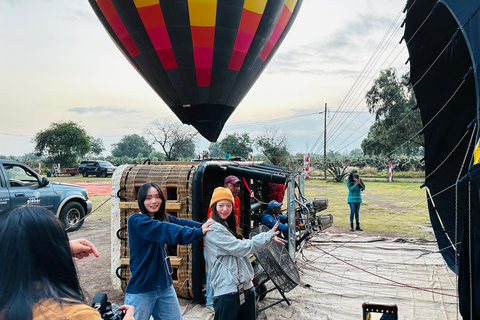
point(210, 308)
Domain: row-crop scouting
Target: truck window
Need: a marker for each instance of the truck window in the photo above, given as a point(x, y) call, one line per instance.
point(19, 176)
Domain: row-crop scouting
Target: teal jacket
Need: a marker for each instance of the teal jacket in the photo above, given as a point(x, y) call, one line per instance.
point(354, 193)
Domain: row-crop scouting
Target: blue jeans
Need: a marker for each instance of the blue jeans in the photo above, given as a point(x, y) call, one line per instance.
point(354, 211)
point(209, 295)
point(158, 304)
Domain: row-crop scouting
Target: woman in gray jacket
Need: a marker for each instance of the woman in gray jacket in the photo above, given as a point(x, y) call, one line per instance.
point(227, 253)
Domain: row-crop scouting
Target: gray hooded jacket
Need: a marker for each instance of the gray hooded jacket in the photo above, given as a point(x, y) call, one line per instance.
point(227, 257)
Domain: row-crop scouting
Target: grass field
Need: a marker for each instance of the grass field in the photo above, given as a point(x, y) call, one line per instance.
point(397, 207)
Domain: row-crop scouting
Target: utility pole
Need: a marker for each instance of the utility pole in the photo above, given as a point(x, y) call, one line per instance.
point(325, 143)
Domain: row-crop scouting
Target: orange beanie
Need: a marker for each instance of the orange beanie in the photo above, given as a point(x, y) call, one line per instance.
point(221, 193)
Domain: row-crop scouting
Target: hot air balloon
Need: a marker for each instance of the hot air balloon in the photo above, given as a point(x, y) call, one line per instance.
point(444, 47)
point(200, 56)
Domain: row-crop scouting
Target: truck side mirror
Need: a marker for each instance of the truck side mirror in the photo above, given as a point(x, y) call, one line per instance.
point(44, 182)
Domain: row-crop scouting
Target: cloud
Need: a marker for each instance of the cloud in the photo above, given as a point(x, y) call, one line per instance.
point(344, 48)
point(103, 109)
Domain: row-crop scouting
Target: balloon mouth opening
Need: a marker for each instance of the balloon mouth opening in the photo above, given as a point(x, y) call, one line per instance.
point(207, 119)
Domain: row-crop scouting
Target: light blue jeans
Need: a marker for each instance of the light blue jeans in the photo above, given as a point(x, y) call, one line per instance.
point(158, 304)
point(209, 294)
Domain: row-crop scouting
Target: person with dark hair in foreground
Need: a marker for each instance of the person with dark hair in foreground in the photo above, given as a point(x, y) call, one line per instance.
point(38, 279)
point(150, 288)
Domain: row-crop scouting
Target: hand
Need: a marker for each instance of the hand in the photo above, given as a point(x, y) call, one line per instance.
point(205, 226)
point(129, 310)
point(279, 240)
point(274, 229)
point(81, 248)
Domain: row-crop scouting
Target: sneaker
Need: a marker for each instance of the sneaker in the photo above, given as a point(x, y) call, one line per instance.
point(210, 308)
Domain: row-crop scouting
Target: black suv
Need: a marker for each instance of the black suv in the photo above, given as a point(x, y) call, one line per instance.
point(96, 167)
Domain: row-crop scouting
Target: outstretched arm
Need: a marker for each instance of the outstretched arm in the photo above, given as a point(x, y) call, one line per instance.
point(81, 248)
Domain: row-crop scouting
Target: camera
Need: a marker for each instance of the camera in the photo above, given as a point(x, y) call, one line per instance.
point(360, 185)
point(107, 310)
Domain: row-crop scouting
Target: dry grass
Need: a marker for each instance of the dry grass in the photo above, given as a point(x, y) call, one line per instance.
point(396, 207)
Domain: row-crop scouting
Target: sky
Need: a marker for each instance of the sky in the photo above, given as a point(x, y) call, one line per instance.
point(57, 63)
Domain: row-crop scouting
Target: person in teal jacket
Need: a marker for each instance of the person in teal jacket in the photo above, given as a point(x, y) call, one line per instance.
point(355, 187)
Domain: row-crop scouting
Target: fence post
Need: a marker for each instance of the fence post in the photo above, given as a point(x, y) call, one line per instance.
point(390, 171)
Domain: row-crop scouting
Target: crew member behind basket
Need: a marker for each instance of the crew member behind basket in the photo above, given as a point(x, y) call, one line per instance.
point(38, 279)
point(227, 254)
point(150, 288)
point(272, 215)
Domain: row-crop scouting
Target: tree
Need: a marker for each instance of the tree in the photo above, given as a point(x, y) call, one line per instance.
point(273, 145)
point(391, 100)
point(132, 146)
point(97, 145)
point(237, 145)
point(215, 150)
point(62, 142)
point(176, 142)
point(357, 152)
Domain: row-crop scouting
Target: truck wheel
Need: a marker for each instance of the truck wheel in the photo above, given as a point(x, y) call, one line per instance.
point(84, 173)
point(104, 174)
point(72, 174)
point(71, 216)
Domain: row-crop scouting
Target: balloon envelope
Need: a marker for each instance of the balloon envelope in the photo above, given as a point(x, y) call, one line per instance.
point(200, 56)
point(444, 45)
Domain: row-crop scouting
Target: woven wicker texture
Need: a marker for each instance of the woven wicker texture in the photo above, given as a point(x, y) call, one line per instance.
point(173, 179)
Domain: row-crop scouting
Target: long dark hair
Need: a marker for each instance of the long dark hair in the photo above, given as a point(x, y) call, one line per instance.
point(160, 215)
point(351, 180)
point(230, 222)
point(36, 262)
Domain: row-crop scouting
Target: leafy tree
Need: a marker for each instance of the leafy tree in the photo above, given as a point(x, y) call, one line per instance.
point(156, 155)
point(62, 142)
point(333, 154)
point(97, 145)
point(391, 100)
point(357, 152)
point(237, 145)
point(184, 150)
point(215, 150)
point(273, 145)
point(132, 146)
point(175, 141)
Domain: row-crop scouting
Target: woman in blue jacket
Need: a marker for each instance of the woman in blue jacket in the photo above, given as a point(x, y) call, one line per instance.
point(355, 187)
point(150, 288)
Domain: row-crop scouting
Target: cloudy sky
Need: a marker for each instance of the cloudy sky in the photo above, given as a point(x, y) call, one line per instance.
point(57, 63)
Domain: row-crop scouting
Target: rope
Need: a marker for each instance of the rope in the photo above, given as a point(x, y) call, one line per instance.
point(382, 277)
point(251, 192)
point(108, 199)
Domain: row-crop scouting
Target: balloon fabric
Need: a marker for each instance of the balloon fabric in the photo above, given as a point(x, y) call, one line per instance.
point(200, 56)
point(444, 48)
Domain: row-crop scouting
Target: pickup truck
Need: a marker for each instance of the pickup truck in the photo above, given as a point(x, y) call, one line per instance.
point(20, 185)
